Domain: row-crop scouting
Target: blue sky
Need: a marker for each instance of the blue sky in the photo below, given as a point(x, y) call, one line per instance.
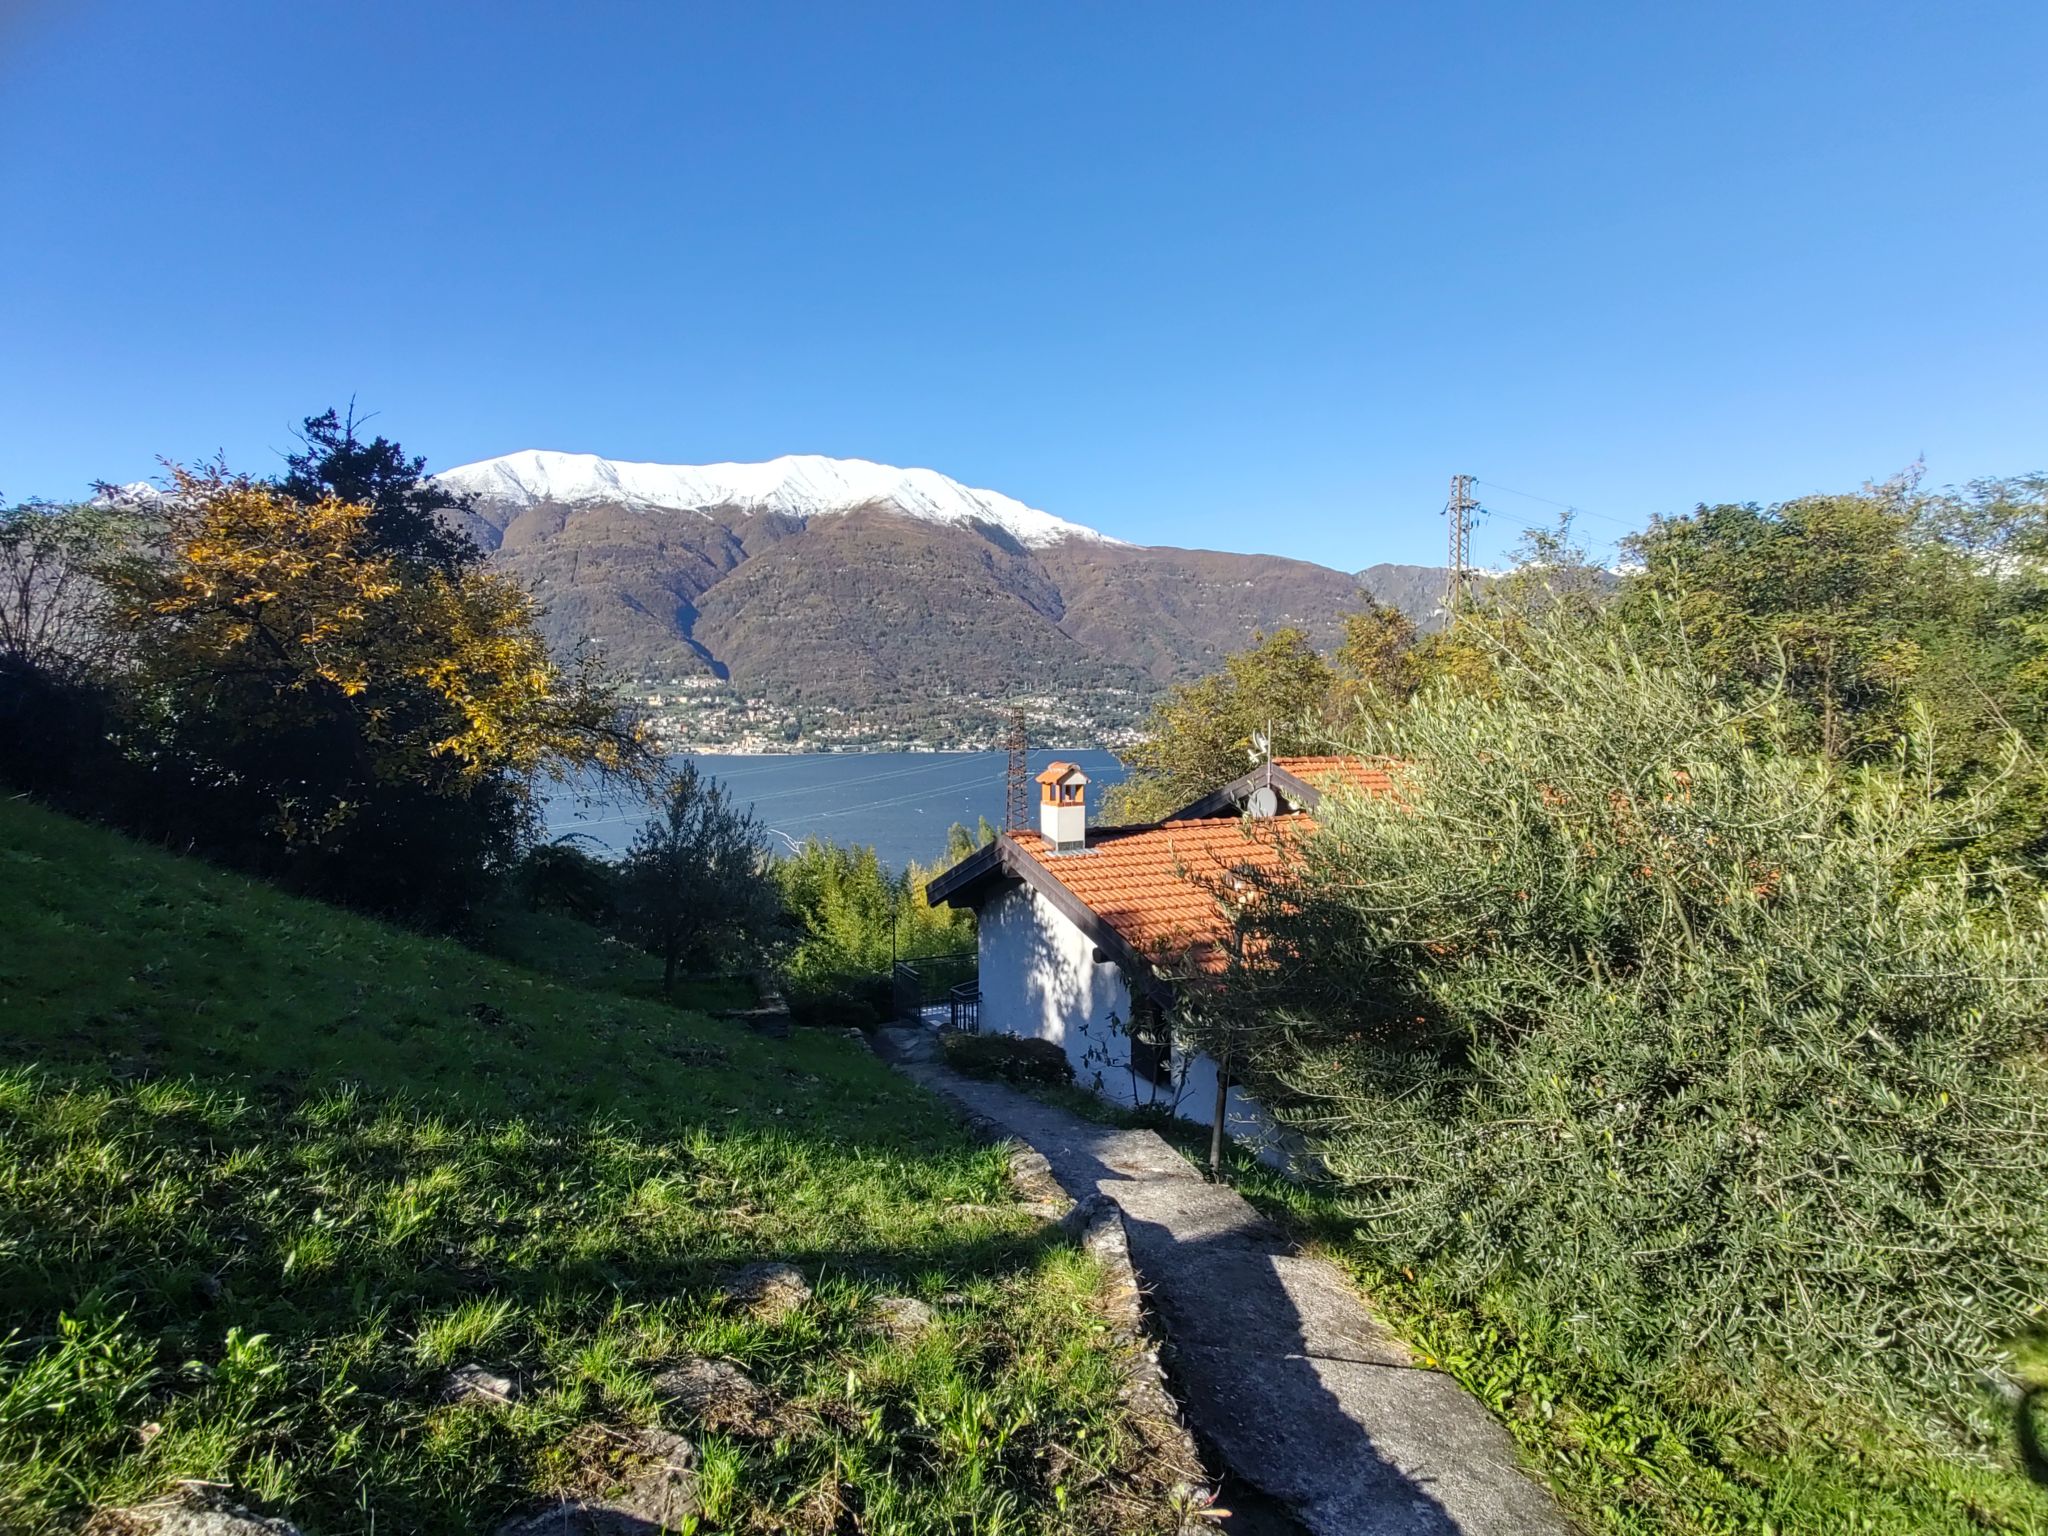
point(1248, 277)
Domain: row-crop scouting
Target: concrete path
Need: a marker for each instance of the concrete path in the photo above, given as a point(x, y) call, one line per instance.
point(1282, 1372)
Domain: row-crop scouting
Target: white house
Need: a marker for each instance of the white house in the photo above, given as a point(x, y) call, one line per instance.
point(1088, 935)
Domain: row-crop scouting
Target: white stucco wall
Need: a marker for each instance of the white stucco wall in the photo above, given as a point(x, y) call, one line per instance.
point(1040, 979)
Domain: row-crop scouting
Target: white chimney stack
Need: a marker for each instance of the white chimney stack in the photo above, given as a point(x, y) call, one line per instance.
point(1063, 807)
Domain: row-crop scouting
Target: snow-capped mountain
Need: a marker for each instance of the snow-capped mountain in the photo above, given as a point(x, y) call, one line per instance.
point(798, 485)
point(839, 600)
point(134, 493)
point(834, 601)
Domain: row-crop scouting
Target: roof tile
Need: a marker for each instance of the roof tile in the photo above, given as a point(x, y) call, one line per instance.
point(1339, 772)
point(1159, 887)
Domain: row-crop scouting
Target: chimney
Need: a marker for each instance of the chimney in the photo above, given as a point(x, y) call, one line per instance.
point(1063, 807)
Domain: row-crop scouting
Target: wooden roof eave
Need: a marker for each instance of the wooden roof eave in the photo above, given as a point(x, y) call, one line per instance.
point(1230, 799)
point(968, 883)
point(960, 885)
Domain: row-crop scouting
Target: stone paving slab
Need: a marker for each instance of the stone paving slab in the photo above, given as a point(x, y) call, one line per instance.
point(1282, 1371)
point(1321, 1306)
point(1405, 1451)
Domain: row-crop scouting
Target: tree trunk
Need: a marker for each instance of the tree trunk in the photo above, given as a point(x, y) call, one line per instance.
point(668, 970)
point(1216, 1119)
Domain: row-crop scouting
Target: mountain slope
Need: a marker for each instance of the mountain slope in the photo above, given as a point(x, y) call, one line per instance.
point(1175, 613)
point(888, 600)
point(889, 610)
point(1417, 590)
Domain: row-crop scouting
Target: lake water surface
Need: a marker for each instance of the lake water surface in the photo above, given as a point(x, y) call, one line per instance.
point(901, 802)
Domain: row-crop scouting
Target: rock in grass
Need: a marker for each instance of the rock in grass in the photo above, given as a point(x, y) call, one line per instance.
point(719, 1395)
point(1031, 1176)
point(657, 1491)
point(1087, 1220)
point(903, 1316)
point(773, 1291)
point(479, 1384)
point(192, 1512)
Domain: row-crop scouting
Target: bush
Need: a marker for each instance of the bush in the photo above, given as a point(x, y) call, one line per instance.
point(1624, 1015)
point(59, 650)
point(55, 737)
point(561, 877)
point(841, 1002)
point(853, 917)
point(694, 886)
point(1009, 1059)
point(313, 688)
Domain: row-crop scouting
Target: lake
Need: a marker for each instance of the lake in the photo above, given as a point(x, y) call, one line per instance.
point(901, 802)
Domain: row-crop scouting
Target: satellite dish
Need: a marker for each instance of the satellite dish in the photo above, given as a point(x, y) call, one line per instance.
point(1264, 802)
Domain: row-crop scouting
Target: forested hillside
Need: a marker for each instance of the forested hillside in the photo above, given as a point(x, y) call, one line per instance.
point(884, 618)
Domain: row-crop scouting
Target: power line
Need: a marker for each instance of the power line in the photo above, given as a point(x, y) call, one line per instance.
point(1566, 506)
point(965, 794)
point(888, 803)
point(632, 816)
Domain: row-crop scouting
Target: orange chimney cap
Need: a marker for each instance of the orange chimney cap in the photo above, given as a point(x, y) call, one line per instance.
point(1059, 773)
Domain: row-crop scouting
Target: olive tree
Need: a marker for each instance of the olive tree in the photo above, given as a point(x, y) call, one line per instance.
point(1621, 1007)
point(694, 885)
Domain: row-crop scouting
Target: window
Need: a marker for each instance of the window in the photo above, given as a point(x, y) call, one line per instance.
point(1151, 1044)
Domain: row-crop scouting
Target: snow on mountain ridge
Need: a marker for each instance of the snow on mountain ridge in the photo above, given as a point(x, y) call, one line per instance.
point(799, 485)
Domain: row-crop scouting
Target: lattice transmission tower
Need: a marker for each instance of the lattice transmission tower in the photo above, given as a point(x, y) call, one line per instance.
point(1017, 776)
point(1458, 574)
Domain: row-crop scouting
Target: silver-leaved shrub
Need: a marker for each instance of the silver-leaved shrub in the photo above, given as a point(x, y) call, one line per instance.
point(1621, 1012)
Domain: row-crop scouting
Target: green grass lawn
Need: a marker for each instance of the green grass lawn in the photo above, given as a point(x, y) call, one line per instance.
point(1623, 1456)
point(267, 1170)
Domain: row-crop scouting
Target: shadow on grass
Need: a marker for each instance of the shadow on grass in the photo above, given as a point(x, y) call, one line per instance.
point(2027, 1416)
point(266, 1168)
point(1254, 1374)
point(332, 1229)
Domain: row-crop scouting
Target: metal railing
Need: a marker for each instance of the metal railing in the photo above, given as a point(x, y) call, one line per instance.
point(925, 986)
point(908, 987)
point(966, 1007)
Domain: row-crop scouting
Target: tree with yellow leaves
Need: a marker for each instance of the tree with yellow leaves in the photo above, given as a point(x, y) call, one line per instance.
point(372, 726)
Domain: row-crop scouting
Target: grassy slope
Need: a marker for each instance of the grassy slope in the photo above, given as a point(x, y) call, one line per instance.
point(266, 1169)
point(581, 956)
point(1624, 1458)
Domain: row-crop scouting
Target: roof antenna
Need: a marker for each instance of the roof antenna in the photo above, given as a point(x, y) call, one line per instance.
point(1263, 801)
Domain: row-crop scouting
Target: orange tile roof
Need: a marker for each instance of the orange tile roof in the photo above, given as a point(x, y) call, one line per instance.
point(1054, 772)
point(1156, 885)
point(1339, 773)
